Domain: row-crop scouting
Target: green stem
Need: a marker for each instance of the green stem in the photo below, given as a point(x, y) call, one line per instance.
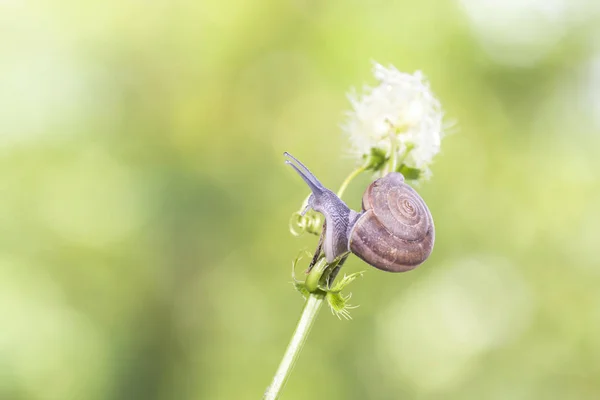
point(352, 175)
point(394, 154)
point(309, 315)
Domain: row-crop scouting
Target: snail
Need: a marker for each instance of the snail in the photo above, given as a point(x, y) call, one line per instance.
point(394, 231)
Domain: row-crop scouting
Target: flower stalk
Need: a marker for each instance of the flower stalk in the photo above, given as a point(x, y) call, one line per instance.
point(311, 309)
point(351, 177)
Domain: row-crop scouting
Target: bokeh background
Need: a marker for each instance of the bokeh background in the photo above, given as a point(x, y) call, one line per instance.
point(144, 203)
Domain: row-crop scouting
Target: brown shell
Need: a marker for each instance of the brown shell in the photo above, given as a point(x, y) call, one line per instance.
point(395, 232)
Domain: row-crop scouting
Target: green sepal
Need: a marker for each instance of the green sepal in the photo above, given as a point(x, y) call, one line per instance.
point(345, 281)
point(301, 288)
point(299, 285)
point(375, 160)
point(338, 303)
point(409, 173)
point(316, 276)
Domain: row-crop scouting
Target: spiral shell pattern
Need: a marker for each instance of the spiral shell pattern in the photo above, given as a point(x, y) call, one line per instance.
point(395, 232)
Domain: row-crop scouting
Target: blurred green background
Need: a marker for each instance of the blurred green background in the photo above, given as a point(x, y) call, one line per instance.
point(144, 203)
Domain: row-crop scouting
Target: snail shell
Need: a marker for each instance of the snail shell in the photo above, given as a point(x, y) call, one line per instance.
point(395, 231)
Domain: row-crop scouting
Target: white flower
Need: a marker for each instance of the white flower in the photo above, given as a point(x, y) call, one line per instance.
point(400, 108)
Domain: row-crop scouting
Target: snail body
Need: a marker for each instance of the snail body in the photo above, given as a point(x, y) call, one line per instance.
point(394, 231)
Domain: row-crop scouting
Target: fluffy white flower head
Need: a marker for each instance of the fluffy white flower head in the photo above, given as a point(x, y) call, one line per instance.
point(399, 115)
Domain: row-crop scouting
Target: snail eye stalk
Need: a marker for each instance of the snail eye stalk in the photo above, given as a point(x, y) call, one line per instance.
point(311, 180)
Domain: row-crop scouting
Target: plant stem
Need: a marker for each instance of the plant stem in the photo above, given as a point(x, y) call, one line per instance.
point(307, 318)
point(394, 154)
point(346, 182)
